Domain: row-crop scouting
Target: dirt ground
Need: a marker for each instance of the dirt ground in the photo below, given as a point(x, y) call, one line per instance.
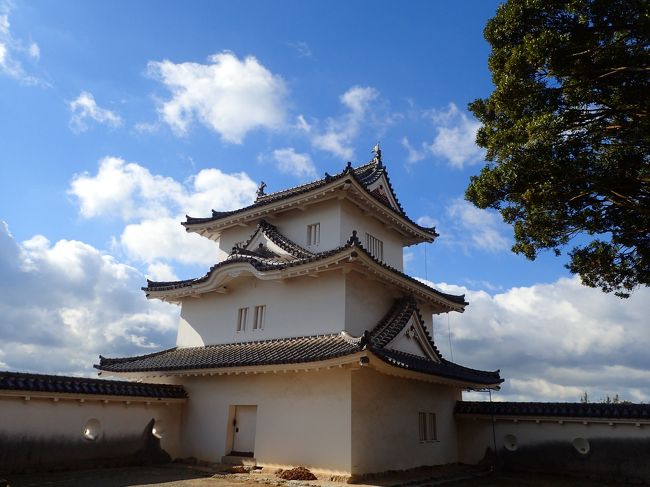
point(182, 476)
point(168, 476)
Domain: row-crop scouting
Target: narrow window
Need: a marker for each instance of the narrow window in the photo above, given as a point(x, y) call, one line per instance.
point(313, 234)
point(422, 427)
point(375, 247)
point(242, 316)
point(432, 431)
point(427, 428)
point(260, 313)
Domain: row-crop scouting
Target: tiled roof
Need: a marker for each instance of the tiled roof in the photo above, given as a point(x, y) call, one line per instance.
point(257, 261)
point(395, 320)
point(365, 175)
point(262, 264)
point(626, 411)
point(269, 352)
point(445, 369)
point(22, 382)
point(393, 323)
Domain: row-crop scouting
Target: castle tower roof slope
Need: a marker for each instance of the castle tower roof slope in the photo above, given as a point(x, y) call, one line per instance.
point(364, 185)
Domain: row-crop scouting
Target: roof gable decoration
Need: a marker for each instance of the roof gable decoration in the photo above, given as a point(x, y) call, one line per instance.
point(268, 243)
point(414, 339)
point(383, 191)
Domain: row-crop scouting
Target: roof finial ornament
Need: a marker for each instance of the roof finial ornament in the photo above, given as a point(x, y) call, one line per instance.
point(376, 150)
point(260, 189)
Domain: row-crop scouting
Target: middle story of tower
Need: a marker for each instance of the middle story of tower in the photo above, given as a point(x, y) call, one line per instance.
point(319, 259)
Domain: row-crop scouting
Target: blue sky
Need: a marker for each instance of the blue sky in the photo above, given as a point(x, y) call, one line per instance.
point(118, 118)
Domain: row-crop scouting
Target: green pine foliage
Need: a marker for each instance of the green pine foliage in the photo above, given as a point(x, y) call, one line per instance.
point(567, 134)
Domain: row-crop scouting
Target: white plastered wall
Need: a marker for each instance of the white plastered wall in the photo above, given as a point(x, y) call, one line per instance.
point(294, 223)
point(232, 236)
point(385, 428)
point(366, 302)
point(303, 418)
point(63, 420)
point(352, 218)
point(295, 307)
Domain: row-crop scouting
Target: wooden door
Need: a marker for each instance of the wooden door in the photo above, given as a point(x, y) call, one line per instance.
point(244, 435)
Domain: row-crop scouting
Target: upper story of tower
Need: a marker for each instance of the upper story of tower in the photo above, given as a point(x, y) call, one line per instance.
point(321, 215)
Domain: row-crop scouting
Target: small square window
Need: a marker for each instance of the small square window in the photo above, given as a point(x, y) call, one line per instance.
point(258, 319)
point(313, 234)
point(242, 316)
point(427, 427)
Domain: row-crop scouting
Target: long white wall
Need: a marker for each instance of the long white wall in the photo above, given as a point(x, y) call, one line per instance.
point(609, 449)
point(385, 427)
point(53, 431)
point(303, 418)
point(294, 308)
point(477, 435)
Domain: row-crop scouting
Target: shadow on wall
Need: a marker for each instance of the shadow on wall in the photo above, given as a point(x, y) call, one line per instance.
point(92, 449)
point(607, 458)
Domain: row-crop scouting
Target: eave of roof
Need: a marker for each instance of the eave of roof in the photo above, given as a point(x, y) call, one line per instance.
point(243, 354)
point(58, 384)
point(353, 249)
point(620, 411)
point(445, 369)
point(361, 176)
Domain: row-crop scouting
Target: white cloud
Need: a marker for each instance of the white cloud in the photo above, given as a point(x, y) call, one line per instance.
point(427, 221)
point(4, 24)
point(339, 133)
point(228, 95)
point(301, 48)
point(84, 107)
point(455, 138)
point(291, 162)
point(413, 155)
point(154, 205)
point(154, 239)
point(158, 271)
point(131, 192)
point(14, 52)
point(65, 303)
point(469, 227)
point(553, 341)
point(34, 51)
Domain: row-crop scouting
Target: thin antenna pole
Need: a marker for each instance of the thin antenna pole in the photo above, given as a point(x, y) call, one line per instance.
point(451, 350)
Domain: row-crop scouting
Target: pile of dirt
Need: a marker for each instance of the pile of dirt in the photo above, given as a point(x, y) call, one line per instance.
point(298, 473)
